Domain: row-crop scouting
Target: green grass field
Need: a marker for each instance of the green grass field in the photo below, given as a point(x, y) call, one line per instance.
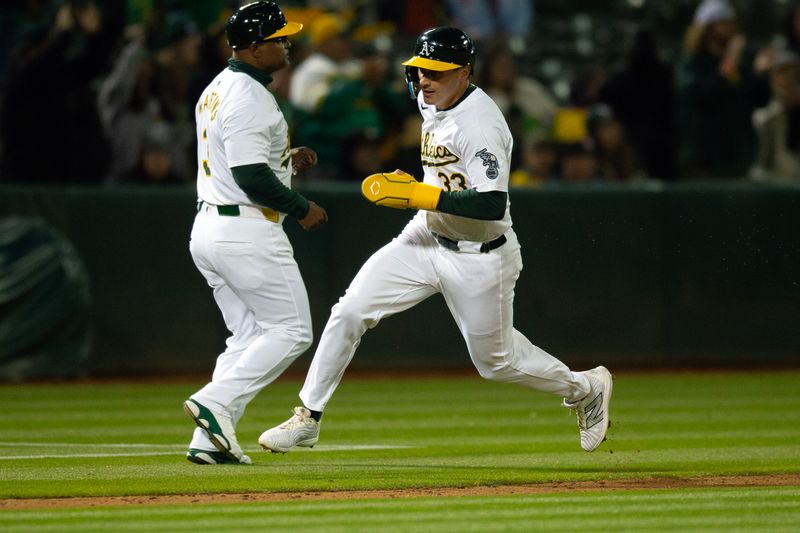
point(129, 439)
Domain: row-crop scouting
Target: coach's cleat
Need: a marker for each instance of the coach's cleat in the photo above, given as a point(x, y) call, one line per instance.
point(214, 457)
point(218, 427)
point(592, 411)
point(300, 430)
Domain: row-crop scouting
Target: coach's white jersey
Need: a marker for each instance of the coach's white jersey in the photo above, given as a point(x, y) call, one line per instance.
point(238, 123)
point(466, 147)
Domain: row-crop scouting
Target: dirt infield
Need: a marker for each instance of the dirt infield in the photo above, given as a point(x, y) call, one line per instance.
point(501, 490)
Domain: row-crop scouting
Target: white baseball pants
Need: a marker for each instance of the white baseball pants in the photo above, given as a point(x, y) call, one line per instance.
point(479, 291)
point(249, 264)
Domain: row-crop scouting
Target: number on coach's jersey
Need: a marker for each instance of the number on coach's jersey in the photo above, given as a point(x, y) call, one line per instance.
point(286, 155)
point(453, 182)
point(206, 168)
point(210, 104)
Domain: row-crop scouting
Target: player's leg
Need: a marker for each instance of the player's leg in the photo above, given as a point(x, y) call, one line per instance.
point(475, 283)
point(254, 259)
point(500, 352)
point(263, 274)
point(395, 278)
point(241, 323)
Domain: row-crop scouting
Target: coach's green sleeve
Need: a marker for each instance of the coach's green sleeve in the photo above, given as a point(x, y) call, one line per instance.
point(263, 187)
point(473, 204)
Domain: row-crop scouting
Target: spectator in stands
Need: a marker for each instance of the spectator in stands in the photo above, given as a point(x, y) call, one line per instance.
point(329, 61)
point(527, 105)
point(578, 163)
point(586, 87)
point(410, 17)
point(539, 163)
point(717, 93)
point(15, 23)
point(154, 164)
point(615, 158)
point(152, 90)
point(484, 19)
point(50, 127)
point(642, 97)
point(791, 29)
point(778, 124)
point(360, 155)
point(366, 100)
point(177, 60)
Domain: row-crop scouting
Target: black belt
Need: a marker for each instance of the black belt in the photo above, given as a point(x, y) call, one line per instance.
point(486, 247)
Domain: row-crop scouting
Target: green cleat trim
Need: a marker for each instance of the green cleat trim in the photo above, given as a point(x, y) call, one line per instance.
point(209, 457)
point(206, 421)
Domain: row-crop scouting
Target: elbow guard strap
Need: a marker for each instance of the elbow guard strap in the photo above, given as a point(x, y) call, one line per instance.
point(400, 191)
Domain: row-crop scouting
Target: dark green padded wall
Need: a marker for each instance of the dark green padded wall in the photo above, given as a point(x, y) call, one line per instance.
point(649, 275)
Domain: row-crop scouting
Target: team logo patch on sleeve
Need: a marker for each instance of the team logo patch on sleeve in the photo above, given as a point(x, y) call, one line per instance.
point(490, 162)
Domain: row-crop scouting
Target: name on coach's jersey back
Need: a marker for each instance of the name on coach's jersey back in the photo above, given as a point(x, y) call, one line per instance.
point(210, 102)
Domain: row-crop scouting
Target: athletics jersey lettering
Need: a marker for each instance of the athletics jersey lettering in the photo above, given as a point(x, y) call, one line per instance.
point(433, 155)
point(467, 146)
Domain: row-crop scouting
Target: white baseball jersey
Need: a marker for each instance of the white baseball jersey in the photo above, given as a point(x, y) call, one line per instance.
point(238, 123)
point(466, 147)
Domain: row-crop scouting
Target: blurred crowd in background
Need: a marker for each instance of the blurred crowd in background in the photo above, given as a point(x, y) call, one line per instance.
point(103, 91)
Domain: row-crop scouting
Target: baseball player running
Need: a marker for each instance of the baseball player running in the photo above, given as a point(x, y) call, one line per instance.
point(460, 244)
point(245, 164)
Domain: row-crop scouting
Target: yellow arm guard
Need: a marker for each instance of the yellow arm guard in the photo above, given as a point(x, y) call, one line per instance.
point(400, 191)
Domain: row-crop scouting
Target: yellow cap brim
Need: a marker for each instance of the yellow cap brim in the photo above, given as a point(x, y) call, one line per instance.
point(430, 64)
point(290, 29)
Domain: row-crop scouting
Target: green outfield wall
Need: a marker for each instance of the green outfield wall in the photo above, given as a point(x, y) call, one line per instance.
point(646, 275)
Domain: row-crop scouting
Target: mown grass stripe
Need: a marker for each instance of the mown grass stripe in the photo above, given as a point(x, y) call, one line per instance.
point(709, 509)
point(480, 433)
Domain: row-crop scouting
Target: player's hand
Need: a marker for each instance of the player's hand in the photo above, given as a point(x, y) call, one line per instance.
point(302, 158)
point(315, 217)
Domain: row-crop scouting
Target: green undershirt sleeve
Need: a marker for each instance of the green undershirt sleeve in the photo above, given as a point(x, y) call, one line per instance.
point(263, 187)
point(473, 204)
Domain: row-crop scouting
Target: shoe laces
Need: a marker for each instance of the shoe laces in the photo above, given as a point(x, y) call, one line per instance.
point(579, 405)
point(579, 411)
point(301, 417)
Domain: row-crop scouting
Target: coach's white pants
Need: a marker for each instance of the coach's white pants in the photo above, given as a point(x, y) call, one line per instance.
point(249, 264)
point(479, 291)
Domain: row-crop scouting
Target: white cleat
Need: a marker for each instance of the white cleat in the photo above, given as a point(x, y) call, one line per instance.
point(218, 427)
point(592, 410)
point(300, 430)
point(214, 457)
